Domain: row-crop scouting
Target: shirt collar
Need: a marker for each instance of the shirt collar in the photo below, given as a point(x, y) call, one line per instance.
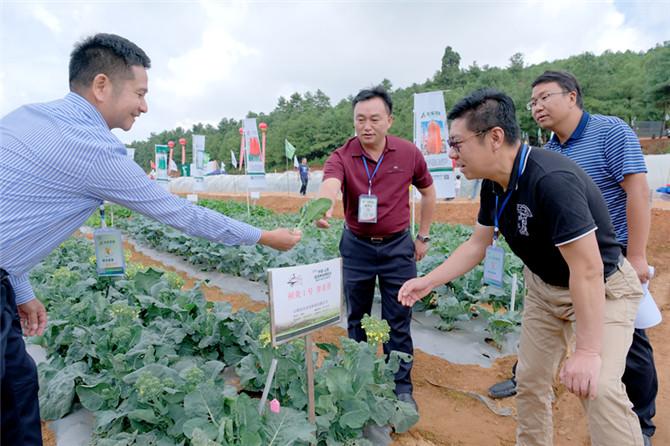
point(86, 107)
point(514, 176)
point(357, 148)
point(577, 133)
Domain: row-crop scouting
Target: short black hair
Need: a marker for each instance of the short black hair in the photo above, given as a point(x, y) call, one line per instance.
point(107, 54)
point(567, 81)
point(374, 92)
point(485, 109)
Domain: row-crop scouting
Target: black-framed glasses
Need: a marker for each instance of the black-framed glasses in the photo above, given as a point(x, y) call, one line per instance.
point(456, 145)
point(542, 99)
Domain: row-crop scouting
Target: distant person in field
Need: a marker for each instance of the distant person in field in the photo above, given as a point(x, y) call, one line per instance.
point(58, 162)
point(303, 169)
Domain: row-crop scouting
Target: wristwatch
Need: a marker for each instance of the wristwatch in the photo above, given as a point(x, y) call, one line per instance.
point(423, 238)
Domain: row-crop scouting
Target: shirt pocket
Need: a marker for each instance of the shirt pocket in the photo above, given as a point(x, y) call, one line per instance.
point(396, 169)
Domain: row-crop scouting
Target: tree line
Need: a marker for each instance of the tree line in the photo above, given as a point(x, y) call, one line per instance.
point(634, 86)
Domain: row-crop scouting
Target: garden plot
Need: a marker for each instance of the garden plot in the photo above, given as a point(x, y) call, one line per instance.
point(444, 391)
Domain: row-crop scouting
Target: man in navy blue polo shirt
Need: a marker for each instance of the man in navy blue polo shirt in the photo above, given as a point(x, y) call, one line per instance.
point(609, 151)
point(554, 218)
point(374, 171)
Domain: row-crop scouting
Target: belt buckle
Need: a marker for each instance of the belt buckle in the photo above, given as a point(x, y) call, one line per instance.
point(376, 239)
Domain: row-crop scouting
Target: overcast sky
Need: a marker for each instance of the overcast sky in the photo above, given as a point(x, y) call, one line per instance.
point(215, 59)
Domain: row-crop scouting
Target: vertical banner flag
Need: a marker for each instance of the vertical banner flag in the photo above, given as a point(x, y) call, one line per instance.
point(296, 164)
point(255, 164)
point(431, 135)
point(198, 156)
point(161, 162)
point(233, 160)
point(289, 149)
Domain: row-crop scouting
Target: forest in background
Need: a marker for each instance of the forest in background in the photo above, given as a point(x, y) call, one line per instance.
point(634, 86)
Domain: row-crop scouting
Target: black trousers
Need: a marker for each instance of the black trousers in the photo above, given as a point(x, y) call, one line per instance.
point(303, 186)
point(641, 381)
point(20, 405)
point(393, 263)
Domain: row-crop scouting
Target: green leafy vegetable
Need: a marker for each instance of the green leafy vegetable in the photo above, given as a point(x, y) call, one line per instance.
point(313, 210)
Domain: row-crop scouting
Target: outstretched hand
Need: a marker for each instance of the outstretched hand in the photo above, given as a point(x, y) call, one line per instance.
point(281, 239)
point(323, 222)
point(414, 290)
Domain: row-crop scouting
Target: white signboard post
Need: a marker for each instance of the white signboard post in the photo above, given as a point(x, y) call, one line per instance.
point(304, 299)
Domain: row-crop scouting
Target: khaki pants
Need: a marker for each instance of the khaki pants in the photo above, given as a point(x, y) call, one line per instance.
point(546, 331)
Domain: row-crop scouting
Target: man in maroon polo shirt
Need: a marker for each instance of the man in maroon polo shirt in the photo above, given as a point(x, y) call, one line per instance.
point(374, 172)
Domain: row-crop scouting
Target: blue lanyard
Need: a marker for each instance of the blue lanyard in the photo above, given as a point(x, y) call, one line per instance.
point(497, 214)
point(367, 171)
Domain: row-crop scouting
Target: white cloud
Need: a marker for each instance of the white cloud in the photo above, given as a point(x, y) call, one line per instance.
point(192, 73)
point(46, 18)
point(213, 59)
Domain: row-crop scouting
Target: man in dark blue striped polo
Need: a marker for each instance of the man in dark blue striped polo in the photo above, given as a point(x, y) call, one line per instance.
point(58, 162)
point(609, 151)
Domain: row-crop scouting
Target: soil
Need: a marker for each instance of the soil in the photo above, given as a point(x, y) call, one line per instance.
point(450, 415)
point(654, 146)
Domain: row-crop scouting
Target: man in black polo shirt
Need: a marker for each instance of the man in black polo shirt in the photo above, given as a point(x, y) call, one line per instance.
point(554, 218)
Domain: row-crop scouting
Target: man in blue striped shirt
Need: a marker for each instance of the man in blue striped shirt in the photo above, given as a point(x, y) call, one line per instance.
point(58, 162)
point(609, 151)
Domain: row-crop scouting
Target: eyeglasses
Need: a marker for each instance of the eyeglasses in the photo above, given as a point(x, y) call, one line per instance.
point(456, 145)
point(542, 99)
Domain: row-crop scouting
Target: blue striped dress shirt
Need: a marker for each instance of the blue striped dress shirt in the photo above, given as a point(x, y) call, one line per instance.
point(58, 163)
point(607, 149)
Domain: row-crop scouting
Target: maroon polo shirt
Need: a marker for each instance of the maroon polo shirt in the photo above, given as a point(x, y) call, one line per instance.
point(402, 165)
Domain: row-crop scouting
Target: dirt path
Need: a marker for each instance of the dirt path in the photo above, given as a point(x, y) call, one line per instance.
point(449, 416)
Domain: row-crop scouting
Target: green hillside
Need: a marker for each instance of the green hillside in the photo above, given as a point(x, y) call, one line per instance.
point(626, 84)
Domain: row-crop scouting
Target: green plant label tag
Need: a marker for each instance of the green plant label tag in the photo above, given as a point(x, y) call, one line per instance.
point(367, 209)
point(109, 257)
point(494, 266)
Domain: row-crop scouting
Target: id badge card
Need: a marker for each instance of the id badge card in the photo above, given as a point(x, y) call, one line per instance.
point(367, 209)
point(109, 257)
point(494, 266)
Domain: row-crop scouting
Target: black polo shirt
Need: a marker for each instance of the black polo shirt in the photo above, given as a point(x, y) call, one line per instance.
point(553, 202)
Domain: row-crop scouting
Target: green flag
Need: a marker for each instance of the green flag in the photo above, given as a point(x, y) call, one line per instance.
point(290, 150)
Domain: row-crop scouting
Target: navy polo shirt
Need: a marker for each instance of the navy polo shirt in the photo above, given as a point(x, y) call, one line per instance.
point(607, 149)
point(553, 202)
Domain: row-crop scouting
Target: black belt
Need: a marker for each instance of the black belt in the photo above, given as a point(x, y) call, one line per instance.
point(378, 240)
